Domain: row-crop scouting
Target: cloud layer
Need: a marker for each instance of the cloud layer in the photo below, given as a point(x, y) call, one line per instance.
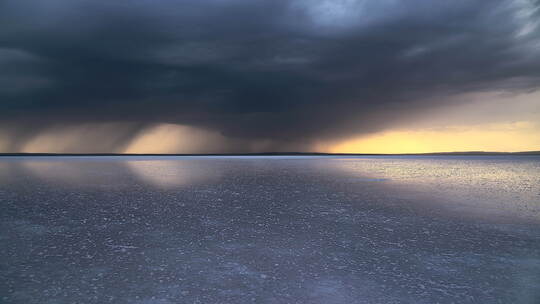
point(285, 72)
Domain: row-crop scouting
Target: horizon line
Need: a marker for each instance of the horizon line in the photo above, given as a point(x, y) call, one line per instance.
point(537, 152)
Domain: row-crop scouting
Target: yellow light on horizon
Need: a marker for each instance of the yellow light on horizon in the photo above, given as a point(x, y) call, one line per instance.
point(507, 137)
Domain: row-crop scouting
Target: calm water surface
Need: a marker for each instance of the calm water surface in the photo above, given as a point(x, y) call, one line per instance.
point(270, 229)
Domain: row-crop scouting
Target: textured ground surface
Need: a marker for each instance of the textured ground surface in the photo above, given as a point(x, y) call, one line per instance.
point(270, 230)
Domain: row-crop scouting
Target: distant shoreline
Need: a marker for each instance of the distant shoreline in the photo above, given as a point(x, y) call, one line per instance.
point(466, 153)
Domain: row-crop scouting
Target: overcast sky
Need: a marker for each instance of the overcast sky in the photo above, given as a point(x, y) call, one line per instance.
point(250, 75)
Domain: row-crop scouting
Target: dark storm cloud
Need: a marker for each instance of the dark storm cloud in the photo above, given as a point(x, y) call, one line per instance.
point(284, 70)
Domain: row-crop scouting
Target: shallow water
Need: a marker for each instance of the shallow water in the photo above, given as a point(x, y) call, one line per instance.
point(270, 229)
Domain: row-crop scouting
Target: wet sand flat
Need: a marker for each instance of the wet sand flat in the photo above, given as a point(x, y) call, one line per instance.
point(432, 229)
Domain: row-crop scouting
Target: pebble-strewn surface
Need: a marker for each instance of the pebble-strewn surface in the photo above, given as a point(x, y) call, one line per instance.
point(270, 230)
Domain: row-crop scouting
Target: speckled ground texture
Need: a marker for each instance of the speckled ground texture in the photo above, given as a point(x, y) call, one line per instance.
point(446, 229)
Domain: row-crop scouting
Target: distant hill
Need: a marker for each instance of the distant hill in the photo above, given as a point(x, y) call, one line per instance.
point(480, 153)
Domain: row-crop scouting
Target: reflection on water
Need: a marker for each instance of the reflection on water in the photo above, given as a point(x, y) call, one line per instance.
point(268, 230)
point(173, 173)
point(88, 172)
point(507, 184)
point(75, 173)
